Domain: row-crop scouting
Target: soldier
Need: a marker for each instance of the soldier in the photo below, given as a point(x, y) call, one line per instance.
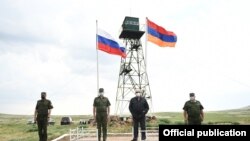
point(101, 113)
point(193, 111)
point(42, 115)
point(138, 107)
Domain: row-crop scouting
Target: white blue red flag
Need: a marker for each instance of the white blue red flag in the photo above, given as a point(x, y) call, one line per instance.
point(108, 44)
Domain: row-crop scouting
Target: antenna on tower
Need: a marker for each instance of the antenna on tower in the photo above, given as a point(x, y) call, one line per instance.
point(133, 73)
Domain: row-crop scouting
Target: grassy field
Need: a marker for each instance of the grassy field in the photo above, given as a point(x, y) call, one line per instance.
point(15, 127)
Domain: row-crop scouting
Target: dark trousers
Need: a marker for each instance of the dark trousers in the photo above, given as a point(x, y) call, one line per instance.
point(101, 119)
point(42, 123)
point(194, 122)
point(142, 122)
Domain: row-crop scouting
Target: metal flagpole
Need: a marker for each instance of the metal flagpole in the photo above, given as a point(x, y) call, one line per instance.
point(146, 42)
point(146, 46)
point(97, 71)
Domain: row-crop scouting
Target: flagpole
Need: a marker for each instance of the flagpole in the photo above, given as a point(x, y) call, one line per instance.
point(97, 60)
point(146, 42)
point(146, 46)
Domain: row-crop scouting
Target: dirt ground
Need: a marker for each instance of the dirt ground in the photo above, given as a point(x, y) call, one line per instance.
point(116, 138)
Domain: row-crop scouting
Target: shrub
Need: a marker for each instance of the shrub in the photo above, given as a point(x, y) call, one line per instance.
point(179, 123)
point(235, 123)
point(164, 121)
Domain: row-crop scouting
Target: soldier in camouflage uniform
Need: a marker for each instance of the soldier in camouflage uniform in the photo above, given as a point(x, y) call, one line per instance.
point(42, 115)
point(193, 111)
point(101, 113)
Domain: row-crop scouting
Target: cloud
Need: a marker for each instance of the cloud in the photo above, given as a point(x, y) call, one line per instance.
point(50, 46)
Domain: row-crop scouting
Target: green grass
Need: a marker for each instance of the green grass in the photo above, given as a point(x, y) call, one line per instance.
point(15, 127)
point(236, 116)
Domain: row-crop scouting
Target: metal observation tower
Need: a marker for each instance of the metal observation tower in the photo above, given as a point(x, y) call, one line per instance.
point(133, 74)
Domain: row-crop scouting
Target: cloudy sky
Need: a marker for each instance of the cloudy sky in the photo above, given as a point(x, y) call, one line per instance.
point(50, 45)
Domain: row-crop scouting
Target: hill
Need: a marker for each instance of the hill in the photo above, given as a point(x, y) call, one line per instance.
point(247, 107)
point(245, 110)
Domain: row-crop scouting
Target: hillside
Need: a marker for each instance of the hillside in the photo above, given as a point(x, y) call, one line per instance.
point(245, 110)
point(247, 107)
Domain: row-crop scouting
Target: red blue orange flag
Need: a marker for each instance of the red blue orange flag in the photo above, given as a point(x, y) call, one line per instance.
point(160, 36)
point(108, 44)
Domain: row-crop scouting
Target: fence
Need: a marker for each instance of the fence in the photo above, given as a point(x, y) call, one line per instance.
point(85, 134)
point(80, 133)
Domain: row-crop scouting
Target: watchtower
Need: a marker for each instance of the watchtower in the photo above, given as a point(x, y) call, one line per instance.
point(133, 73)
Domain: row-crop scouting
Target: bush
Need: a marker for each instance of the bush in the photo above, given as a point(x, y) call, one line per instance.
point(179, 123)
point(210, 123)
point(83, 126)
point(235, 123)
point(164, 121)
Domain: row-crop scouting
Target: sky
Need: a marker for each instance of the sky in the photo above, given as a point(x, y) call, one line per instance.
point(50, 46)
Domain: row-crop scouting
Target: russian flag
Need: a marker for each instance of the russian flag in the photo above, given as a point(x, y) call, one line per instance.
point(108, 44)
point(160, 36)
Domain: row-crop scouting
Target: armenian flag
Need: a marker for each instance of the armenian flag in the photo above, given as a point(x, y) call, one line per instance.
point(160, 36)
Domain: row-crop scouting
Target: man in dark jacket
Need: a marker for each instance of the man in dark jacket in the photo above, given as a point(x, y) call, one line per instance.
point(42, 115)
point(138, 107)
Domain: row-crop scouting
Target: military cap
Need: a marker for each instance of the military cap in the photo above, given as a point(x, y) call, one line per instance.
point(191, 94)
point(43, 93)
point(101, 90)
